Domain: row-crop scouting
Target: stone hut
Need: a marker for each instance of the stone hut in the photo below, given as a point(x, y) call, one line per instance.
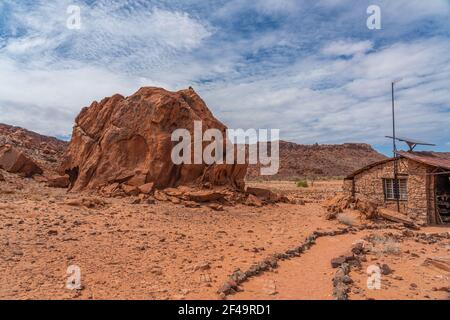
point(422, 189)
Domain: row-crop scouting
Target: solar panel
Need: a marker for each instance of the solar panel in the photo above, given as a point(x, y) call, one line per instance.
point(412, 143)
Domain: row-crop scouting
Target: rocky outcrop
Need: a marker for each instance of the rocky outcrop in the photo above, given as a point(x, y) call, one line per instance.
point(127, 141)
point(45, 151)
point(14, 161)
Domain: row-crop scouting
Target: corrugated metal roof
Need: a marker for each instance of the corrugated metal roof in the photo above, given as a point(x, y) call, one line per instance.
point(370, 166)
point(434, 159)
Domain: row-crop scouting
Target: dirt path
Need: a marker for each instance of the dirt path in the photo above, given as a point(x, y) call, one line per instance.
point(309, 276)
point(306, 277)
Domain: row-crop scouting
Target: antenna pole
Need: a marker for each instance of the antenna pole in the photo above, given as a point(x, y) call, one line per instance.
point(394, 151)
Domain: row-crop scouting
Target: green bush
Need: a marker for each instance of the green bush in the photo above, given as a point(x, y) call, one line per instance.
point(302, 183)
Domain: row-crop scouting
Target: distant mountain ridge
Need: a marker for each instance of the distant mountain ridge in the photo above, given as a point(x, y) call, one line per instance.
point(312, 161)
point(296, 160)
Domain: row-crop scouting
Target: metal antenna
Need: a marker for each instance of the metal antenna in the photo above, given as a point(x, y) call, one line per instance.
point(394, 151)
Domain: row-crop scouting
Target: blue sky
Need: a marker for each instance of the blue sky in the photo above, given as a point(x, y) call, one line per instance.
point(310, 68)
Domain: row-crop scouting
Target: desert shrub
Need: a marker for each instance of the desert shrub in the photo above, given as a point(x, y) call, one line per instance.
point(302, 183)
point(345, 219)
point(386, 245)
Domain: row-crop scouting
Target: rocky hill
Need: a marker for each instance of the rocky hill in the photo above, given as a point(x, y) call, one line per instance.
point(45, 151)
point(313, 161)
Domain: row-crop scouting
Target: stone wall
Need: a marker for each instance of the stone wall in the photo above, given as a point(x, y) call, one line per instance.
point(417, 191)
point(369, 185)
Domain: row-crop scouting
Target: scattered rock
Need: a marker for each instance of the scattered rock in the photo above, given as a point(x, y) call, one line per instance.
point(205, 196)
point(174, 200)
point(331, 214)
point(264, 194)
point(74, 202)
point(93, 202)
point(135, 201)
point(146, 188)
point(228, 287)
point(58, 181)
point(130, 190)
point(336, 262)
point(358, 248)
point(385, 269)
point(191, 204)
point(253, 201)
point(160, 196)
point(216, 207)
point(202, 266)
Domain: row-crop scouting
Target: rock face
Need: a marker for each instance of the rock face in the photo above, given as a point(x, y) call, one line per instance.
point(128, 141)
point(14, 161)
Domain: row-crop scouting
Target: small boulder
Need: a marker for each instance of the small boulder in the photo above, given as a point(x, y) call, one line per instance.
point(146, 188)
point(385, 269)
point(336, 262)
point(137, 180)
point(264, 194)
point(358, 248)
point(130, 190)
point(216, 207)
point(58, 182)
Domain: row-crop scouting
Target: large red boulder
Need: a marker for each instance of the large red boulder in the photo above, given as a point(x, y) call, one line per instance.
point(15, 161)
point(128, 141)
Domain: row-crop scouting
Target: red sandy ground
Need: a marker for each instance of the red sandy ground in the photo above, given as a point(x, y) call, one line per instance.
point(168, 251)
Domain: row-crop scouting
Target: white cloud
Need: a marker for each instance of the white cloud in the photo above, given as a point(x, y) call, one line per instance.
point(319, 76)
point(333, 101)
point(347, 48)
point(132, 39)
point(50, 72)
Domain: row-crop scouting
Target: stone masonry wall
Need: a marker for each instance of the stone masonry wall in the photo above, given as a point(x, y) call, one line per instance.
point(369, 185)
point(417, 191)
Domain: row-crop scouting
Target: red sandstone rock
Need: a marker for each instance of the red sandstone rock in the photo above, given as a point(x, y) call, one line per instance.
point(160, 196)
point(128, 140)
point(58, 181)
point(146, 188)
point(14, 161)
point(44, 151)
point(264, 194)
point(253, 201)
point(130, 190)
